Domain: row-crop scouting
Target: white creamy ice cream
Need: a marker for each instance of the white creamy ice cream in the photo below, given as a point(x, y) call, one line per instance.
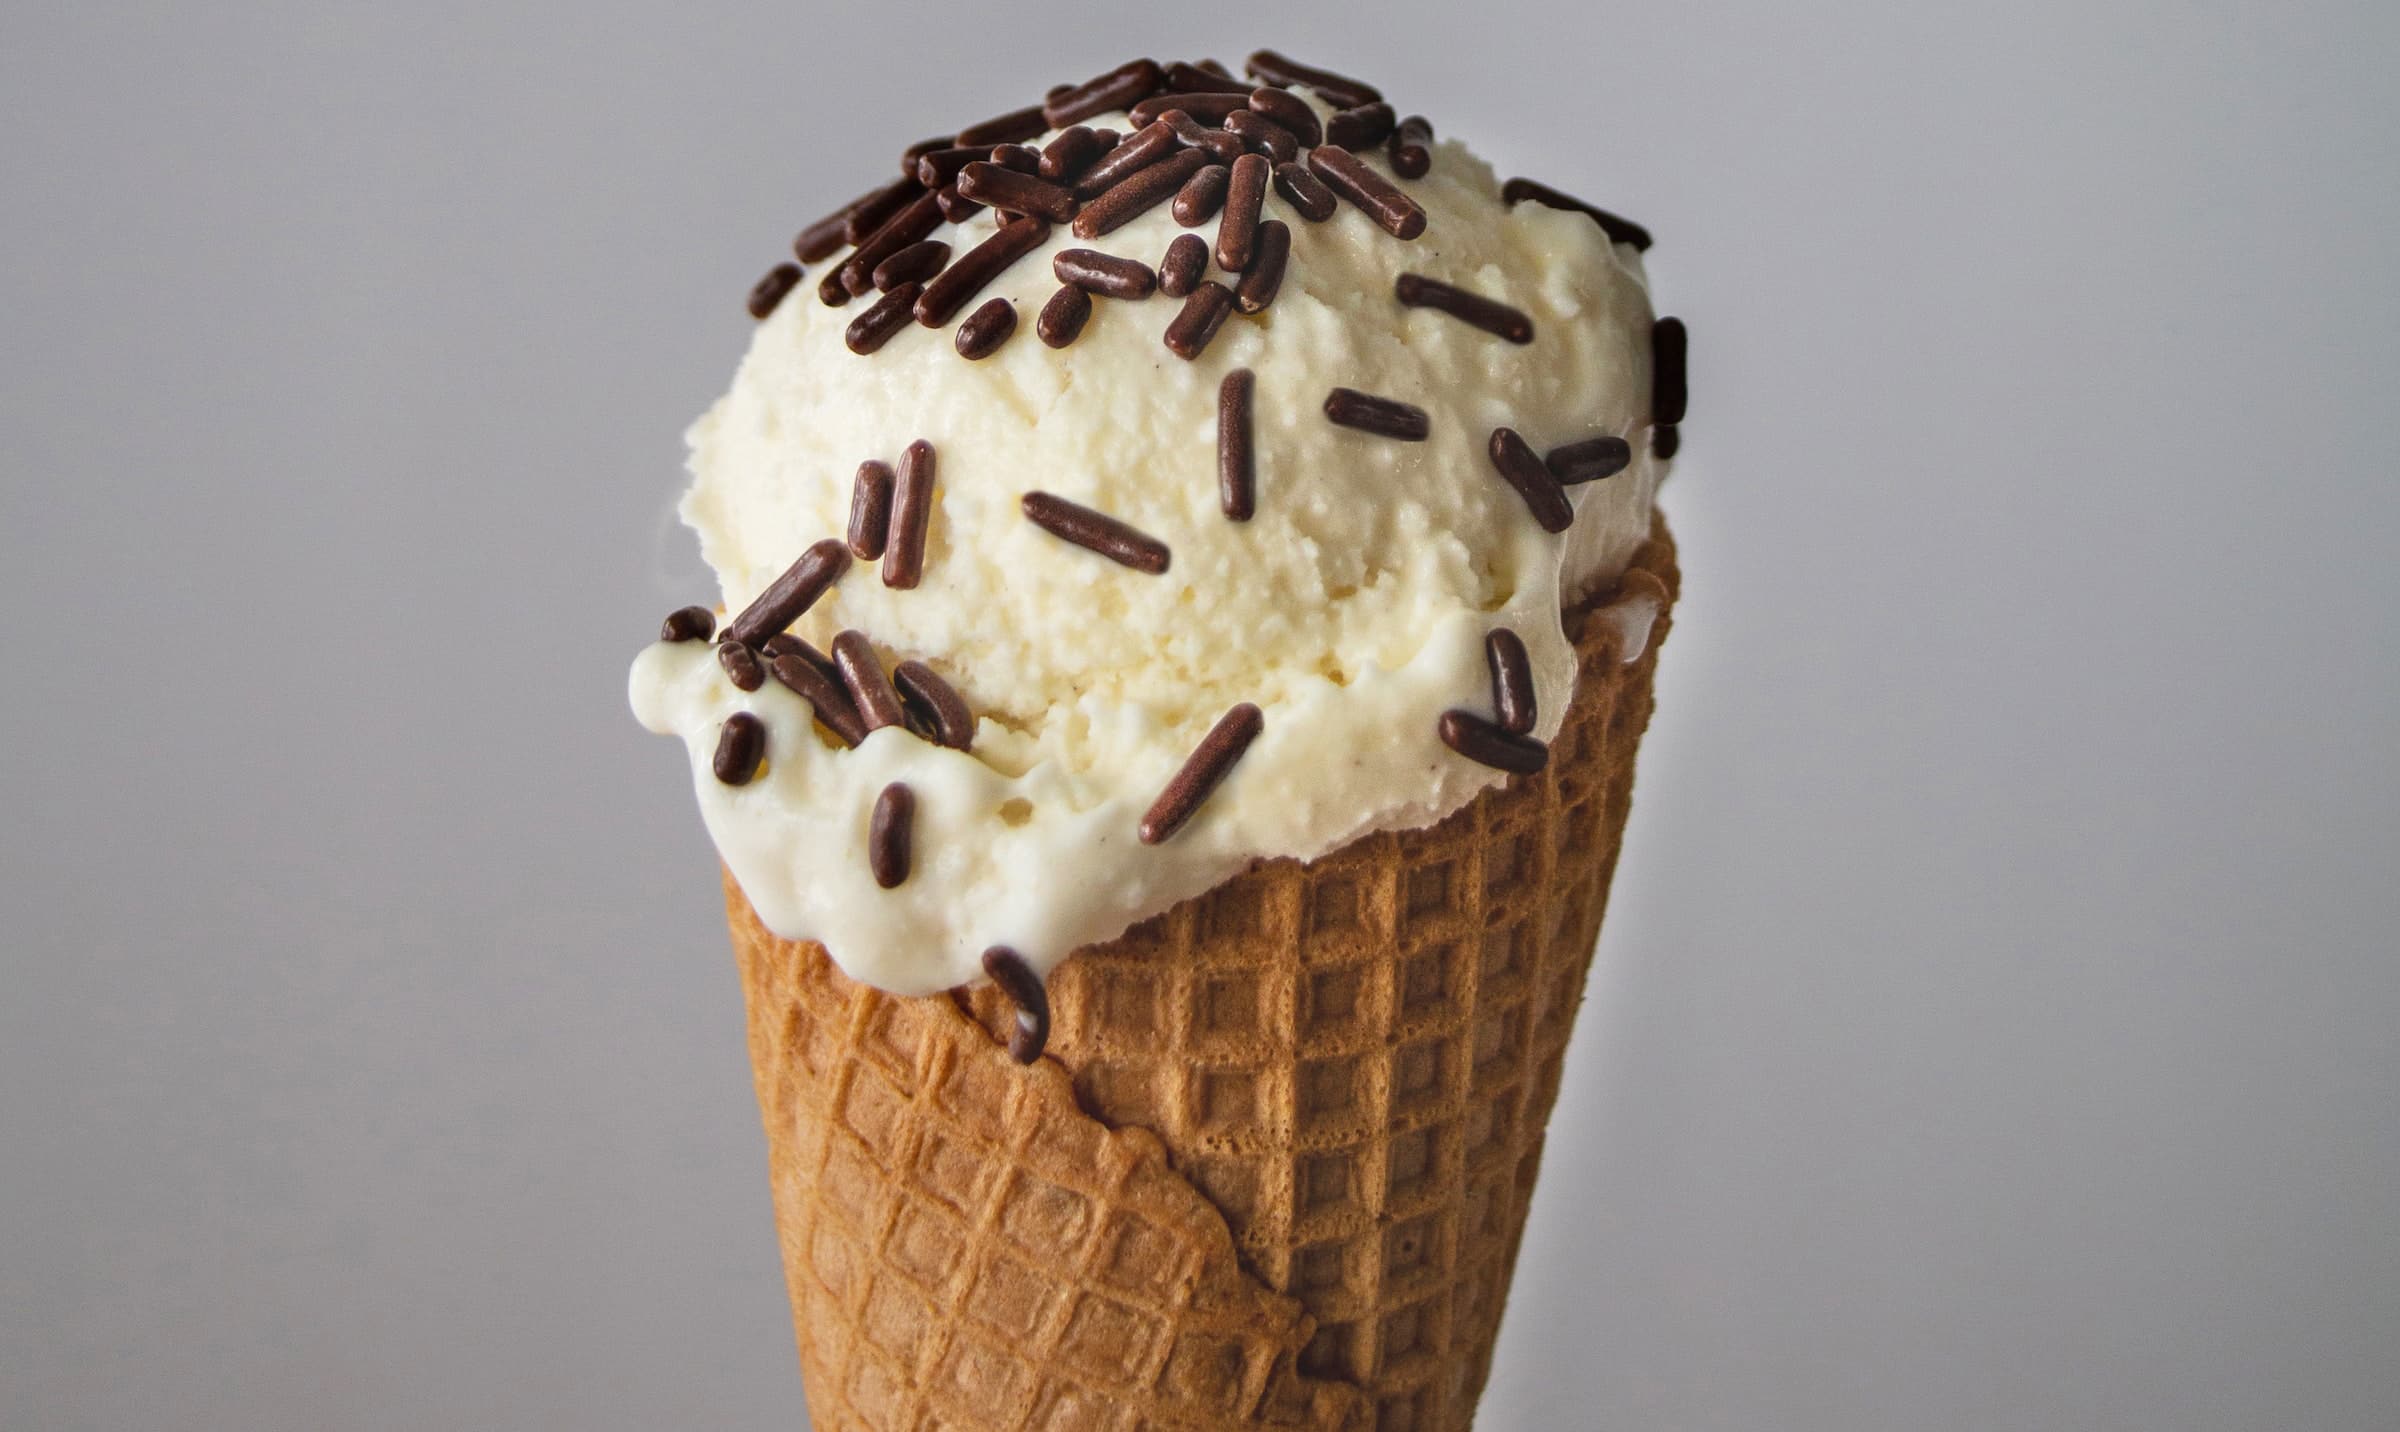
point(1352, 609)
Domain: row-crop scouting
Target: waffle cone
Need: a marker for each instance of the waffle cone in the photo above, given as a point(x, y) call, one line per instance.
point(1276, 1165)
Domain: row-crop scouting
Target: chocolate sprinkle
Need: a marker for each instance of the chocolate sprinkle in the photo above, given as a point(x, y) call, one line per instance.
point(1203, 313)
point(1202, 773)
point(1203, 108)
point(1179, 273)
point(1061, 320)
point(1104, 274)
point(944, 165)
point(862, 676)
point(1187, 80)
point(790, 596)
point(1127, 201)
point(923, 147)
point(1014, 127)
point(741, 745)
point(1384, 417)
point(1589, 460)
point(741, 665)
point(1201, 196)
point(1095, 532)
point(872, 210)
point(1237, 230)
point(1291, 112)
point(870, 509)
point(1544, 498)
point(1120, 88)
point(688, 624)
point(832, 290)
point(956, 208)
point(1349, 176)
point(922, 216)
point(1016, 979)
point(1237, 461)
point(1490, 315)
point(1300, 189)
point(1512, 680)
point(986, 329)
point(1619, 230)
point(1265, 274)
point(1263, 135)
point(824, 238)
point(888, 832)
point(883, 318)
point(1670, 390)
point(769, 291)
point(914, 264)
point(1481, 741)
point(1412, 147)
point(1358, 128)
point(783, 644)
point(1017, 157)
point(912, 514)
point(814, 679)
point(1340, 91)
point(1147, 146)
point(1065, 158)
point(1665, 441)
point(935, 709)
point(950, 290)
point(1221, 146)
point(1015, 193)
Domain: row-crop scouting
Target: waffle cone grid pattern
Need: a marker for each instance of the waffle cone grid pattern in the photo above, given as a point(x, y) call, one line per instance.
point(1276, 1166)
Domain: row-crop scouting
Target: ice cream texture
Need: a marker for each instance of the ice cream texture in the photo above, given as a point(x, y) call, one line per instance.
point(1352, 609)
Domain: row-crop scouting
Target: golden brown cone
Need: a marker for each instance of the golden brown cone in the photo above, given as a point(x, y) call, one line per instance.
point(1350, 1064)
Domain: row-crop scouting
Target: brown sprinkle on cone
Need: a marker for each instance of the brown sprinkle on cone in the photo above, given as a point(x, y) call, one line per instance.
point(914, 264)
point(863, 677)
point(1015, 193)
point(1290, 111)
point(1384, 417)
point(1095, 532)
point(956, 208)
point(1237, 462)
point(1338, 90)
point(1412, 147)
point(1104, 274)
point(1147, 146)
point(741, 665)
point(824, 238)
point(1014, 127)
point(1061, 320)
point(1130, 199)
point(1355, 129)
point(1300, 189)
point(1201, 196)
point(1670, 392)
point(1620, 230)
point(943, 166)
point(741, 745)
point(1202, 773)
point(912, 514)
point(934, 707)
point(1263, 135)
point(951, 289)
point(1353, 179)
point(1120, 88)
point(1484, 742)
point(1188, 80)
point(1666, 440)
point(1179, 273)
point(790, 596)
point(1512, 680)
point(1517, 464)
point(923, 147)
point(1203, 313)
point(1017, 157)
point(1015, 978)
point(832, 291)
point(1065, 158)
point(1265, 274)
point(688, 624)
point(769, 291)
point(1221, 146)
point(1589, 460)
point(1203, 108)
point(986, 329)
point(883, 318)
point(1237, 229)
point(1490, 315)
point(813, 678)
point(888, 835)
point(921, 217)
point(783, 644)
point(872, 210)
point(870, 509)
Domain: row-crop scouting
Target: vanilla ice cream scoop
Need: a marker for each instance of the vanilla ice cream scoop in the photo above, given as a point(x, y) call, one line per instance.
point(1196, 577)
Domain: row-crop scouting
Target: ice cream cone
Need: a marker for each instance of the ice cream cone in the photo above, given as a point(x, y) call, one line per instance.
point(1275, 1166)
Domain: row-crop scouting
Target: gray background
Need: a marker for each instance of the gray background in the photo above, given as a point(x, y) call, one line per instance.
point(1998, 1024)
